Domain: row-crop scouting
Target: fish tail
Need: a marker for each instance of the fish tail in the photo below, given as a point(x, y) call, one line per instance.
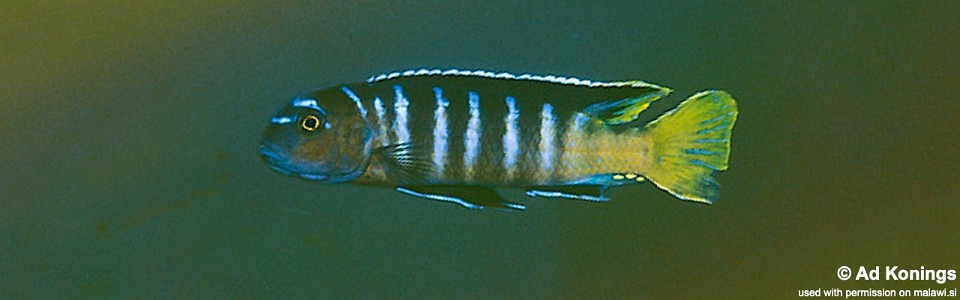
point(690, 144)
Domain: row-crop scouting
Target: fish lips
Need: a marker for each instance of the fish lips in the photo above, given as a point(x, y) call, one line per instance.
point(272, 155)
point(276, 160)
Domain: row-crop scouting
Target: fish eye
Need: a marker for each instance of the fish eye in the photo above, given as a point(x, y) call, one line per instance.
point(310, 123)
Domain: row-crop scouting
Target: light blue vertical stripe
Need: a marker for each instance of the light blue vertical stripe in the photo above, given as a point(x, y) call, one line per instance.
point(381, 120)
point(548, 133)
point(472, 140)
point(400, 122)
point(511, 141)
point(440, 132)
point(353, 96)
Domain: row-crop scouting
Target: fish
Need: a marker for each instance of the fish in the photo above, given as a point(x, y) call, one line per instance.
point(457, 136)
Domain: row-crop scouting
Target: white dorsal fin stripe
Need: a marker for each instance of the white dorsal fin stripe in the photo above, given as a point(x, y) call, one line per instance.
point(509, 76)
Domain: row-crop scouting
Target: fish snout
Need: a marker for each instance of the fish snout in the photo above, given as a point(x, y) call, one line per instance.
point(273, 156)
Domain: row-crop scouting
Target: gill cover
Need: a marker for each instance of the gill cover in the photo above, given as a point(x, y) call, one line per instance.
point(321, 137)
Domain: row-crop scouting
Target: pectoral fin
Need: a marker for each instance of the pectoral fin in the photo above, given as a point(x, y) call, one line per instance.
point(472, 197)
point(407, 163)
point(592, 193)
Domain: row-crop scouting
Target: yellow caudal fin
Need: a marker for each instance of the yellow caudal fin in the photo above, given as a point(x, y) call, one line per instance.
point(690, 143)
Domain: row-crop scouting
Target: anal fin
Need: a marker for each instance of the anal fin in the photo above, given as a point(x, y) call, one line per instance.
point(472, 197)
point(591, 193)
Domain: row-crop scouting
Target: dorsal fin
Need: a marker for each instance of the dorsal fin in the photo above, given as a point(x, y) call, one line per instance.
point(610, 102)
point(620, 111)
point(559, 79)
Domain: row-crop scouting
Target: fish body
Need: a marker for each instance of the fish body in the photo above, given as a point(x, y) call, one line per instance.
point(452, 135)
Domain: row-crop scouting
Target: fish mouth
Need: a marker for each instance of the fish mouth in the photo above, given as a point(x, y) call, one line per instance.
point(270, 153)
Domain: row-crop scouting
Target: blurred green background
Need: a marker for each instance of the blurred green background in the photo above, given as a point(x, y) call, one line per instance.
point(129, 167)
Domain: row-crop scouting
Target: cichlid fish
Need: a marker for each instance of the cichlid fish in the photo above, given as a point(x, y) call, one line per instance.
point(454, 135)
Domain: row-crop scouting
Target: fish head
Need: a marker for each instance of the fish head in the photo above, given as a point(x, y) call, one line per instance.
point(320, 137)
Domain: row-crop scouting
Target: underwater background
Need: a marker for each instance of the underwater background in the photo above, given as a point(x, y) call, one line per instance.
point(129, 164)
